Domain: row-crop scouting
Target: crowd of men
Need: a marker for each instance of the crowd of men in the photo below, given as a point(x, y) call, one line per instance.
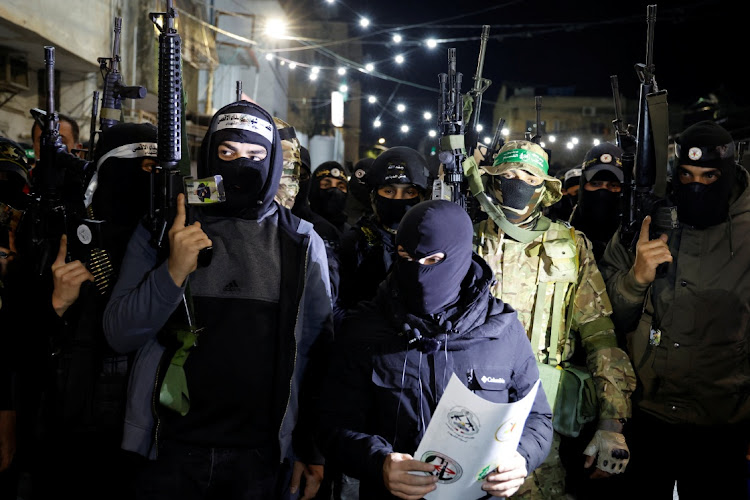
point(294, 333)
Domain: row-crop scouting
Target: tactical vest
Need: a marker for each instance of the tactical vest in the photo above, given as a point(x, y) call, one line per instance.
point(557, 268)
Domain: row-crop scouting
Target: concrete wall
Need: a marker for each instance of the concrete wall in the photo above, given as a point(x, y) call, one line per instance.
point(81, 31)
point(267, 83)
point(74, 25)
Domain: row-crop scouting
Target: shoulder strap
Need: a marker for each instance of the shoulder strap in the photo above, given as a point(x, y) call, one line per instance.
point(559, 297)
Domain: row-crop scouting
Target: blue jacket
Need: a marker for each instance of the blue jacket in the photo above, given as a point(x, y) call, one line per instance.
point(145, 297)
point(381, 389)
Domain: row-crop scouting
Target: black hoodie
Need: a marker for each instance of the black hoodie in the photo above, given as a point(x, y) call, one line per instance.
point(243, 121)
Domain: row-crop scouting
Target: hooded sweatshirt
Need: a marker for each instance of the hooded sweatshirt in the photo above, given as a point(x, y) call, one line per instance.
point(390, 366)
point(262, 301)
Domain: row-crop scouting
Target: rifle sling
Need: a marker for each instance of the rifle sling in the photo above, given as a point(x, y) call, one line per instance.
point(110, 114)
point(471, 172)
point(659, 116)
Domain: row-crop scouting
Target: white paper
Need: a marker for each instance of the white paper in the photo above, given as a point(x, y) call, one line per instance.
point(468, 437)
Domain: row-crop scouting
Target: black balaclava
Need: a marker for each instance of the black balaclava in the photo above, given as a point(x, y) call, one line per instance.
point(708, 145)
point(430, 227)
point(520, 201)
point(14, 174)
point(301, 207)
point(358, 186)
point(600, 209)
point(119, 191)
point(397, 165)
point(250, 185)
point(330, 203)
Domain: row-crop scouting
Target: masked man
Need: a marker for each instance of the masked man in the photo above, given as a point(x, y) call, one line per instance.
point(397, 180)
point(682, 296)
point(329, 192)
point(597, 213)
point(433, 316)
point(547, 272)
point(233, 382)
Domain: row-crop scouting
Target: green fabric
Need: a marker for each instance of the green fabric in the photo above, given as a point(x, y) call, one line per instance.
point(571, 393)
point(174, 391)
point(658, 112)
point(452, 143)
point(471, 172)
point(550, 377)
point(591, 328)
point(522, 156)
point(576, 403)
point(468, 107)
point(537, 328)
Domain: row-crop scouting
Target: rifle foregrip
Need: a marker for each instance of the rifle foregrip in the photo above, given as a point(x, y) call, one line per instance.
point(170, 98)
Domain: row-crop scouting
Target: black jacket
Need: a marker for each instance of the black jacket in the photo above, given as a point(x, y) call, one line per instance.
point(381, 389)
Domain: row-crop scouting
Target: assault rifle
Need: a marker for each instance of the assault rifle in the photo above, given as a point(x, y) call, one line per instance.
point(624, 137)
point(537, 138)
point(647, 189)
point(114, 91)
point(480, 85)
point(166, 180)
point(451, 186)
point(49, 215)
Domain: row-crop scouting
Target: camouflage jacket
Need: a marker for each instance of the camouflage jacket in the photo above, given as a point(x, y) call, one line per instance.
point(520, 267)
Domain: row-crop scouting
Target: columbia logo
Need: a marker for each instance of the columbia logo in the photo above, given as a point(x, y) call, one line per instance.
point(493, 380)
point(232, 287)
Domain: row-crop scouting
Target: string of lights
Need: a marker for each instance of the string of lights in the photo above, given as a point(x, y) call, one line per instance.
point(406, 112)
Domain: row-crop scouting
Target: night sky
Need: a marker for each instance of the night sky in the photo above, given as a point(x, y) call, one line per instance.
point(700, 47)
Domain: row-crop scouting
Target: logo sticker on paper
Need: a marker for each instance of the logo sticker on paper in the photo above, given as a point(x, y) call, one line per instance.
point(462, 423)
point(695, 153)
point(84, 234)
point(508, 430)
point(486, 471)
point(446, 469)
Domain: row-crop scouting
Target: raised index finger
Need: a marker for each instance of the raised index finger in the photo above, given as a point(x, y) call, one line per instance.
point(179, 219)
point(62, 250)
point(643, 237)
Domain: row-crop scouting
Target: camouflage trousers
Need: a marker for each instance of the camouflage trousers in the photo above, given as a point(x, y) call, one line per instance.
point(547, 482)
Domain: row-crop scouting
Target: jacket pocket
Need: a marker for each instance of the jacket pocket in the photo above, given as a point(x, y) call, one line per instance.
point(491, 385)
point(642, 346)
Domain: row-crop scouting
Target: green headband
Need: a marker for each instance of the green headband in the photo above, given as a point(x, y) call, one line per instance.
point(522, 156)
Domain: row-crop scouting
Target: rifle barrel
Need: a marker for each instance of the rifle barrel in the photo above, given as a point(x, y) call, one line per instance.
point(49, 62)
point(116, 45)
point(651, 22)
point(92, 131)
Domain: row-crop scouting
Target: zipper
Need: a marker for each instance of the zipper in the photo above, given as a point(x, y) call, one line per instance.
point(296, 322)
point(157, 420)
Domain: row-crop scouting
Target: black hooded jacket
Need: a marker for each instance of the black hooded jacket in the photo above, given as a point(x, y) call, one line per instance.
point(378, 380)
